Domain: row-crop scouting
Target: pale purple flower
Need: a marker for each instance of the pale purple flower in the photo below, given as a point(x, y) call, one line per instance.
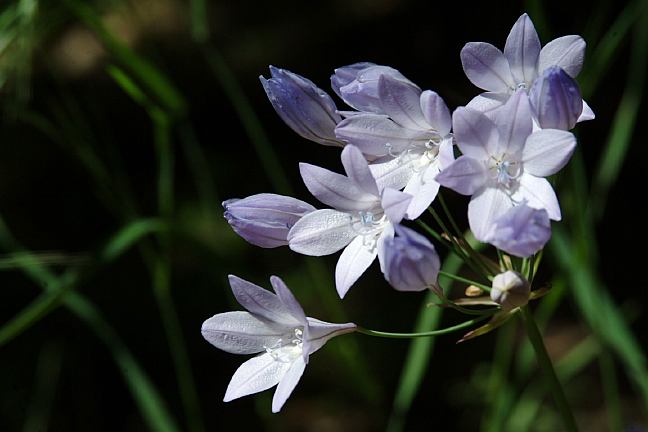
point(504, 164)
point(521, 63)
point(361, 219)
point(556, 99)
point(510, 290)
point(265, 219)
point(410, 261)
point(408, 137)
point(303, 106)
point(521, 231)
point(274, 326)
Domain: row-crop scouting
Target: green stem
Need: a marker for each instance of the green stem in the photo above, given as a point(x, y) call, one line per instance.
point(391, 335)
point(436, 235)
point(465, 280)
point(547, 367)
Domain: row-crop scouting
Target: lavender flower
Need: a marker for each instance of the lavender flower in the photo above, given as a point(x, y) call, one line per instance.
point(362, 219)
point(275, 326)
point(521, 231)
point(265, 219)
point(510, 290)
point(410, 261)
point(556, 99)
point(502, 74)
point(503, 163)
point(303, 106)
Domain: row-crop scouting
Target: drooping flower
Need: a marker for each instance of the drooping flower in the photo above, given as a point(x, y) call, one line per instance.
point(521, 231)
point(408, 136)
point(504, 164)
point(303, 106)
point(521, 63)
point(556, 99)
point(510, 290)
point(362, 217)
point(265, 219)
point(410, 261)
point(274, 326)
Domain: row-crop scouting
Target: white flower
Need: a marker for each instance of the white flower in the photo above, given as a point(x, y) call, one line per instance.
point(276, 326)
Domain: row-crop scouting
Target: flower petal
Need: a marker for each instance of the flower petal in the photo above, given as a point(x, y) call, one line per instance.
point(488, 101)
point(568, 52)
point(241, 332)
point(259, 301)
point(401, 102)
point(322, 232)
point(538, 194)
point(355, 259)
point(486, 67)
point(547, 151)
point(424, 188)
point(396, 172)
point(321, 331)
point(334, 189)
point(587, 113)
point(436, 112)
point(485, 208)
point(446, 153)
point(465, 175)
point(477, 136)
point(522, 49)
point(288, 384)
point(255, 375)
point(288, 300)
point(514, 124)
point(395, 204)
point(357, 169)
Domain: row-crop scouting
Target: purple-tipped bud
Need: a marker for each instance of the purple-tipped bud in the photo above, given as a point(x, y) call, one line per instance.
point(522, 231)
point(357, 85)
point(510, 290)
point(556, 99)
point(265, 219)
point(303, 106)
point(410, 262)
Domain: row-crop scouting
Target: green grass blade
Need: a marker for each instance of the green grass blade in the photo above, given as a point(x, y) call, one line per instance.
point(46, 377)
point(130, 235)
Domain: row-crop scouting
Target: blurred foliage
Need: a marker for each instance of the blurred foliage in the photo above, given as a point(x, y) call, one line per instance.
point(125, 122)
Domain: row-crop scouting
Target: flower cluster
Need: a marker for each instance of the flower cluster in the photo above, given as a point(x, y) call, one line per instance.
point(399, 145)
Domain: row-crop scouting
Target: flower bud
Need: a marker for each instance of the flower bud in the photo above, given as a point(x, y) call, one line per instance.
point(409, 261)
point(265, 219)
point(510, 290)
point(357, 85)
point(303, 106)
point(521, 231)
point(556, 99)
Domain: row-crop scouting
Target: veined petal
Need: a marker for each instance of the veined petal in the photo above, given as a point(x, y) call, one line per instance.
point(488, 101)
point(446, 153)
point(477, 136)
point(357, 169)
point(288, 300)
point(401, 102)
point(376, 134)
point(288, 384)
point(465, 175)
point(547, 151)
point(255, 375)
point(334, 189)
point(259, 301)
point(522, 50)
point(567, 52)
point(587, 113)
point(538, 194)
point(396, 172)
point(321, 331)
point(486, 67)
point(424, 188)
point(385, 236)
point(395, 204)
point(322, 232)
point(242, 332)
point(485, 208)
point(436, 112)
point(355, 259)
point(514, 124)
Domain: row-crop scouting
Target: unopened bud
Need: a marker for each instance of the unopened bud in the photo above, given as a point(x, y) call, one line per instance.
point(510, 290)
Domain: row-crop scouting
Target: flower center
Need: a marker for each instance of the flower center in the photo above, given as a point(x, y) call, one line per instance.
point(505, 171)
point(287, 348)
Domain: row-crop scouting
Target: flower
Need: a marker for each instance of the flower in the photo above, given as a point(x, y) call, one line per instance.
point(275, 326)
point(362, 217)
point(265, 219)
point(409, 135)
point(410, 261)
point(303, 106)
point(502, 74)
point(510, 290)
point(521, 231)
point(504, 164)
point(556, 99)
